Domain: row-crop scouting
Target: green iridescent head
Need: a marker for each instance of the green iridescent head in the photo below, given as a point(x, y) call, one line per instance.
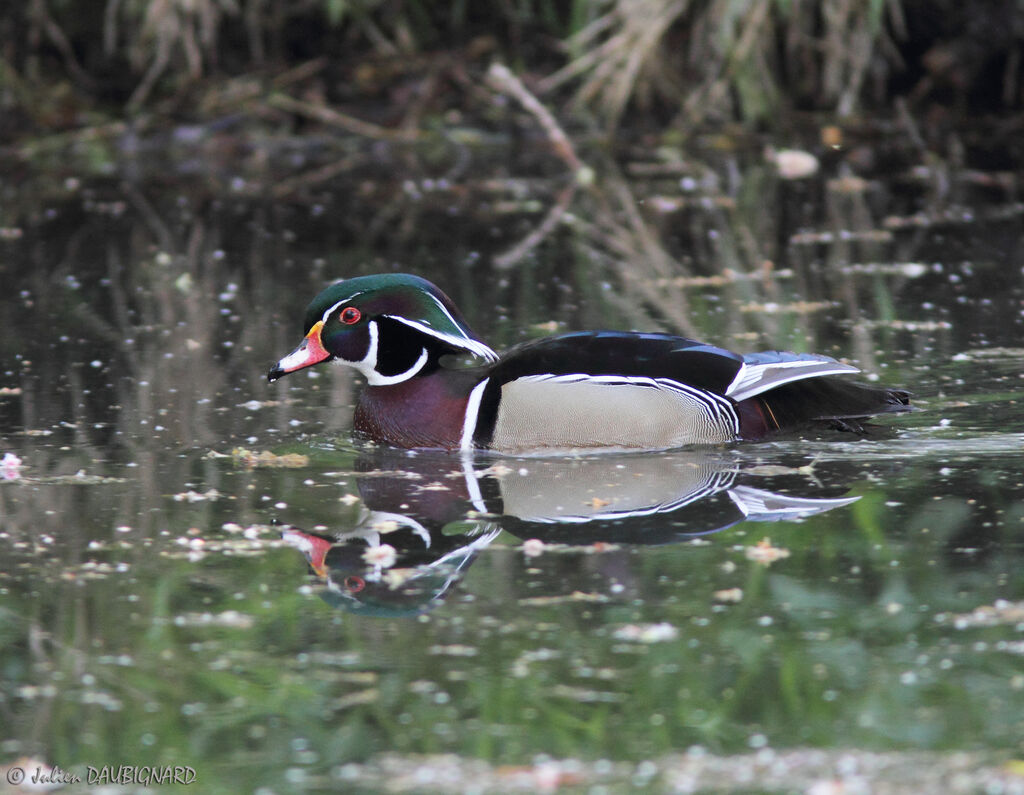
point(386, 326)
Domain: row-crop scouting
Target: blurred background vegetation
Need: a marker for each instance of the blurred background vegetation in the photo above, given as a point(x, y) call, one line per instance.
point(410, 64)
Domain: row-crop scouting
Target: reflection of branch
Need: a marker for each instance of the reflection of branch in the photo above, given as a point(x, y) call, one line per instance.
point(317, 176)
point(160, 61)
point(645, 269)
point(501, 79)
point(301, 72)
point(150, 215)
point(537, 236)
point(333, 118)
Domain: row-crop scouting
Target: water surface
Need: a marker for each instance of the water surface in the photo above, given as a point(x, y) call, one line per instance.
point(192, 570)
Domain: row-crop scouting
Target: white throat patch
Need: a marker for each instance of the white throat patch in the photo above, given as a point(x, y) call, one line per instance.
point(368, 364)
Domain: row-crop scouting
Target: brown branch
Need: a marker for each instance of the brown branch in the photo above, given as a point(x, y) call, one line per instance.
point(317, 176)
point(537, 236)
point(342, 121)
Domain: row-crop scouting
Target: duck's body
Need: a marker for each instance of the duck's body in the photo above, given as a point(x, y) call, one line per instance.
point(596, 389)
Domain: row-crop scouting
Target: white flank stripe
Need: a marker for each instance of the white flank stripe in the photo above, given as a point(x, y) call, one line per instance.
point(472, 411)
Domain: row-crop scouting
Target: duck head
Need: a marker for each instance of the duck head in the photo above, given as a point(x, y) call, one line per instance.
point(390, 327)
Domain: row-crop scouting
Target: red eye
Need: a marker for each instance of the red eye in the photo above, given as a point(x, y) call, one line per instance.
point(350, 315)
point(355, 584)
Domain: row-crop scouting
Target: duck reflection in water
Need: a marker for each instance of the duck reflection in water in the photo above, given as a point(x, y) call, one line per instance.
point(423, 523)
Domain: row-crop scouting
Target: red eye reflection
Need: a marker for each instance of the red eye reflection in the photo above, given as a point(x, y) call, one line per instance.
point(350, 315)
point(355, 584)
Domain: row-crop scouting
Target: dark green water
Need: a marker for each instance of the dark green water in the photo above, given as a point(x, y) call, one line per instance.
point(169, 597)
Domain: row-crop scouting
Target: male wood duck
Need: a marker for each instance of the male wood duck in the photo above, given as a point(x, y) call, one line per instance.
point(583, 390)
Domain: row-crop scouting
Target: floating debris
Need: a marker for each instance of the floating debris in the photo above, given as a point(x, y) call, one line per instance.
point(195, 496)
point(265, 458)
point(355, 699)
point(495, 470)
point(454, 650)
point(229, 618)
point(999, 612)
point(586, 695)
point(844, 235)
point(989, 353)
point(646, 633)
point(671, 204)
point(382, 555)
point(396, 578)
point(773, 470)
point(953, 215)
point(727, 276)
point(10, 467)
point(807, 770)
point(764, 553)
point(793, 163)
point(848, 185)
point(435, 486)
point(533, 547)
point(912, 270)
point(732, 595)
point(575, 596)
point(794, 307)
point(906, 325)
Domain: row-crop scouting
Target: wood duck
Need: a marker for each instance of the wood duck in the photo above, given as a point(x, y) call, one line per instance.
point(433, 383)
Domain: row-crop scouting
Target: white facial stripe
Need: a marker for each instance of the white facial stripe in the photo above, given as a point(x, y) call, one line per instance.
point(471, 345)
point(444, 309)
point(368, 364)
point(376, 379)
point(472, 411)
point(330, 311)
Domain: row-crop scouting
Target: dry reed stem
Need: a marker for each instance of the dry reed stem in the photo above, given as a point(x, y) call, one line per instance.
point(42, 16)
point(501, 79)
point(615, 65)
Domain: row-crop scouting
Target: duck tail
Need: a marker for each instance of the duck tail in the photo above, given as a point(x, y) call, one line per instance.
point(832, 402)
